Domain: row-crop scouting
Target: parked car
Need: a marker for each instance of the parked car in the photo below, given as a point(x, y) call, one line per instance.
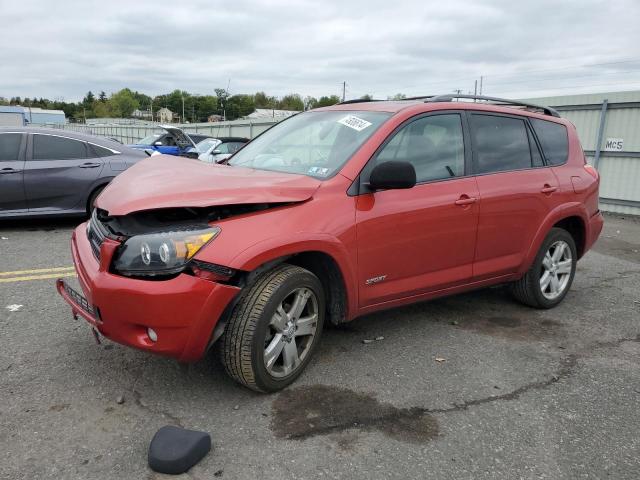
point(329, 215)
point(173, 142)
point(215, 150)
point(56, 172)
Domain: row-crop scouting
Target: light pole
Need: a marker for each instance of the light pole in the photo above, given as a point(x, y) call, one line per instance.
point(182, 108)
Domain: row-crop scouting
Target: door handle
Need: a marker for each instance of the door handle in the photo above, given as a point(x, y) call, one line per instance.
point(6, 171)
point(548, 188)
point(465, 200)
point(89, 165)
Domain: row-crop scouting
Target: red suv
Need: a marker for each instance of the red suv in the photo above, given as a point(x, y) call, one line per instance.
point(332, 214)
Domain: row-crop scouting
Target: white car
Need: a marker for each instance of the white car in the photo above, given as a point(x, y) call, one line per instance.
point(214, 150)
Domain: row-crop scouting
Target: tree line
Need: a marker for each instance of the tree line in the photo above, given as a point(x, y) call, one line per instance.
point(196, 108)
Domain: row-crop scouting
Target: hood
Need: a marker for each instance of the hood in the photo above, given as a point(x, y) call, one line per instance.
point(167, 181)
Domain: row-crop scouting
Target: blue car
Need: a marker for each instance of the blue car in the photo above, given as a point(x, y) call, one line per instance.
point(173, 142)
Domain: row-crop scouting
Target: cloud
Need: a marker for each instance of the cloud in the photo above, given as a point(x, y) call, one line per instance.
point(65, 48)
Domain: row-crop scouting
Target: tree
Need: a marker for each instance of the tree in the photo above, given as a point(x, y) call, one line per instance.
point(327, 101)
point(239, 106)
point(366, 97)
point(310, 102)
point(88, 99)
point(292, 101)
point(261, 100)
point(123, 103)
point(397, 96)
point(102, 97)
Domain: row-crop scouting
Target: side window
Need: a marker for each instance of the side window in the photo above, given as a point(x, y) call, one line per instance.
point(223, 147)
point(49, 147)
point(235, 146)
point(500, 143)
point(97, 151)
point(10, 146)
point(553, 139)
point(433, 144)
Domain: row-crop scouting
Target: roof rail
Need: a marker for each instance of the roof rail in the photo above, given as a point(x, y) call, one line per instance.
point(359, 100)
point(451, 97)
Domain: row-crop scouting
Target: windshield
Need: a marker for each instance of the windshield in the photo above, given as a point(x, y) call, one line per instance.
point(316, 144)
point(206, 144)
point(149, 140)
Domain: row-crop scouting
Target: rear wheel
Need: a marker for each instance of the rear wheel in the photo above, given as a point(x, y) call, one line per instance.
point(548, 280)
point(274, 329)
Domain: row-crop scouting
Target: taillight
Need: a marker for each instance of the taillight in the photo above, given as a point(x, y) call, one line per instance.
point(592, 171)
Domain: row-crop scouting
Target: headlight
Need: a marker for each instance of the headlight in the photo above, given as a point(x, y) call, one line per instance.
point(162, 253)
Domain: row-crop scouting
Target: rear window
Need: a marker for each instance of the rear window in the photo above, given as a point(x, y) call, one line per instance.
point(553, 140)
point(9, 146)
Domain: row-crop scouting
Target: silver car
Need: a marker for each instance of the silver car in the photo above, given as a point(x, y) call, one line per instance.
point(55, 172)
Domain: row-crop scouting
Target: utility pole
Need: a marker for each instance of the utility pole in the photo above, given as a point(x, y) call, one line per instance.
point(481, 78)
point(182, 108)
point(151, 107)
point(344, 90)
point(475, 90)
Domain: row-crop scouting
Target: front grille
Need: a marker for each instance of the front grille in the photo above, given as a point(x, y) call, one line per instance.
point(96, 233)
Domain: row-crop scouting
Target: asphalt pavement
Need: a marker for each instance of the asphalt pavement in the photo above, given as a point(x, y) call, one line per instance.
point(470, 387)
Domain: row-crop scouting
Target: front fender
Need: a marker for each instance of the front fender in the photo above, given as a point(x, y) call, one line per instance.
point(566, 210)
point(283, 245)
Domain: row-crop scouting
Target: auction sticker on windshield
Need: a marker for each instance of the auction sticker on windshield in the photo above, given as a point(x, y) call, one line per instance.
point(354, 122)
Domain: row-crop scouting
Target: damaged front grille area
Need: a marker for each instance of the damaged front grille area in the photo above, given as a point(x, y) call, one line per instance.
point(96, 233)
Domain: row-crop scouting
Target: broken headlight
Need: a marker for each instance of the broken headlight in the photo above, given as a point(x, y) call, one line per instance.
point(163, 253)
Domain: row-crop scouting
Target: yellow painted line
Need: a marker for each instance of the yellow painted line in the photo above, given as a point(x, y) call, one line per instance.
point(37, 277)
point(36, 271)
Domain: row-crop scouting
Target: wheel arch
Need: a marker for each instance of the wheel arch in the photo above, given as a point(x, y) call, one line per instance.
point(571, 217)
point(94, 188)
point(323, 255)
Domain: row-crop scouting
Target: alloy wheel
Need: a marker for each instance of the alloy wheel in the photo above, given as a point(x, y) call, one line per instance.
point(291, 332)
point(556, 270)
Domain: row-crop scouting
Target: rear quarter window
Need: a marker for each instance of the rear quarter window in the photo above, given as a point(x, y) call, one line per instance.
point(553, 140)
point(10, 146)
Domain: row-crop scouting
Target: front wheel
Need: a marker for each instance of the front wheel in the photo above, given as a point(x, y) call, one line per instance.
point(548, 280)
point(274, 329)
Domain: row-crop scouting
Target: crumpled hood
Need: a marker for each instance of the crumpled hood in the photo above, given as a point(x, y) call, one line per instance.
point(166, 181)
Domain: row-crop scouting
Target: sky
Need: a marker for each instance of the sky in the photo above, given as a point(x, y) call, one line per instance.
point(61, 49)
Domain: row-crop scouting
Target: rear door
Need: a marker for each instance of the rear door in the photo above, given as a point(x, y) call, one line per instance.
point(420, 239)
point(12, 151)
point(59, 173)
point(517, 191)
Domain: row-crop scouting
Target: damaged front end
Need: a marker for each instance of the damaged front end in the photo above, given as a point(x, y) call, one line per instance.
point(160, 244)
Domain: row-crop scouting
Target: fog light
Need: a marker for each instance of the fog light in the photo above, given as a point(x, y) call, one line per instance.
point(151, 333)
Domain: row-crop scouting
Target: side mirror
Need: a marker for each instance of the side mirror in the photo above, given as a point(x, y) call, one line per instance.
point(392, 175)
point(216, 152)
point(157, 144)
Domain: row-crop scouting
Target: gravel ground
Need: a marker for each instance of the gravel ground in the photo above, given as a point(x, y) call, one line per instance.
point(515, 392)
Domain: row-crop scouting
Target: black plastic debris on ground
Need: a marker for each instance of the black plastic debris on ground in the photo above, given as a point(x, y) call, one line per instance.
point(175, 450)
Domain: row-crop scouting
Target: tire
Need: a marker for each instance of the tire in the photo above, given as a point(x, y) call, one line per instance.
point(529, 289)
point(262, 320)
point(92, 199)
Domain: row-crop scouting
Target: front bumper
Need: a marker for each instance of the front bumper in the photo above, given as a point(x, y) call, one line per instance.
point(183, 311)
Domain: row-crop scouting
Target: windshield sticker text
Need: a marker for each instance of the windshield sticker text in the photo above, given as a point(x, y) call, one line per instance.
point(318, 171)
point(354, 122)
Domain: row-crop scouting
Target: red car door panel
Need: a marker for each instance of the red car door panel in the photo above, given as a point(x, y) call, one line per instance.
point(417, 240)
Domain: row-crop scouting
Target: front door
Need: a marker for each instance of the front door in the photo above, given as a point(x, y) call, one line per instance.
point(421, 239)
point(12, 198)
